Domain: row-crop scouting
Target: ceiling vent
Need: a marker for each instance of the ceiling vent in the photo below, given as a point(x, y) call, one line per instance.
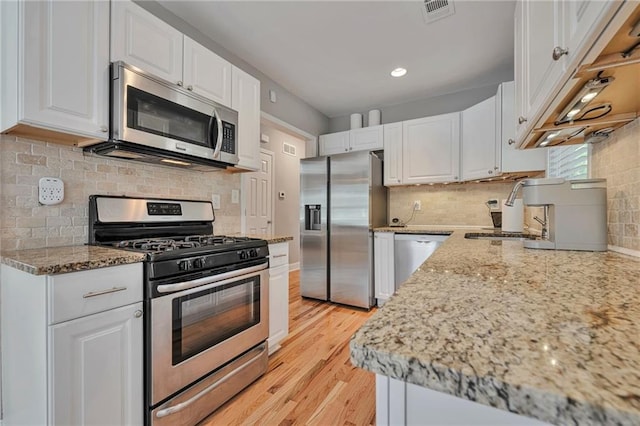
point(289, 149)
point(437, 9)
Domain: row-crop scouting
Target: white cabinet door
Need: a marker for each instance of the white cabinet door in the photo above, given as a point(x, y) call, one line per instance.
point(245, 98)
point(66, 66)
point(539, 26)
point(366, 139)
point(334, 143)
point(514, 160)
point(278, 294)
point(97, 369)
point(583, 22)
point(384, 281)
point(478, 147)
point(431, 149)
point(206, 73)
point(142, 40)
point(393, 154)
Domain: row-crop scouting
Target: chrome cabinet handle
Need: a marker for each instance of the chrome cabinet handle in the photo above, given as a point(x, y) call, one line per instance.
point(137, 313)
point(179, 83)
point(104, 129)
point(189, 87)
point(558, 52)
point(279, 255)
point(350, 149)
point(490, 172)
point(496, 168)
point(511, 141)
point(521, 120)
point(101, 292)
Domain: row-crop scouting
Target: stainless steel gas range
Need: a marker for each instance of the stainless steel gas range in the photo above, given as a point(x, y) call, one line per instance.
point(206, 302)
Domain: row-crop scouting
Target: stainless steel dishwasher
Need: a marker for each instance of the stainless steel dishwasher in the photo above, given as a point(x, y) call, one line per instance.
point(410, 251)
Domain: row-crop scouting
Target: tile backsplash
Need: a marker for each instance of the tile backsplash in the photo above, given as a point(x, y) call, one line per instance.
point(24, 223)
point(618, 160)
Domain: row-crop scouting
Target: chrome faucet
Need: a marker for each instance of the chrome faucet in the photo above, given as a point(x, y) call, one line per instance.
point(512, 196)
point(544, 222)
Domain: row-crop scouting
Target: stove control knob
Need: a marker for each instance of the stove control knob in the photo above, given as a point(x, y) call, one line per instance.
point(198, 263)
point(184, 265)
point(253, 253)
point(243, 254)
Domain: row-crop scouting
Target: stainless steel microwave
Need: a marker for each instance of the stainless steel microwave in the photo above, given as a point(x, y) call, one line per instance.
point(153, 120)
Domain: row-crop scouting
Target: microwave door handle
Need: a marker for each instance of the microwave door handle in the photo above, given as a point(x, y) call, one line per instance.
point(216, 150)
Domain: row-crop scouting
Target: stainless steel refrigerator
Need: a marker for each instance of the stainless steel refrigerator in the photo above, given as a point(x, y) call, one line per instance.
point(342, 200)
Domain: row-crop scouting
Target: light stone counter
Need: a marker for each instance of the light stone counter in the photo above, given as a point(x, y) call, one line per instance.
point(58, 260)
point(271, 239)
point(553, 335)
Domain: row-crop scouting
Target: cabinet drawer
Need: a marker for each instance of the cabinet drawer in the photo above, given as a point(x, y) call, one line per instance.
point(77, 294)
point(278, 254)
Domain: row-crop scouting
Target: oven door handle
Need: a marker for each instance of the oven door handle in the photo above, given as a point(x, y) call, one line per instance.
point(170, 288)
point(218, 147)
point(181, 406)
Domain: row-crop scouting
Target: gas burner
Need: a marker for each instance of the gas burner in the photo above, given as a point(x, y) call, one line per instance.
point(156, 244)
point(214, 240)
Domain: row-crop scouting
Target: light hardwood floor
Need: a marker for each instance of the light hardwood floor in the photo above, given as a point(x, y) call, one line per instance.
point(310, 380)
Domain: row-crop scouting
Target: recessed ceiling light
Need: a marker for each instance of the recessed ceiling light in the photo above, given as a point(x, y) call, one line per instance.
point(398, 72)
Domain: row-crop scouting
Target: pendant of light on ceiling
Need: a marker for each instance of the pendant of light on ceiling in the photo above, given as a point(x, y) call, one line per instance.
point(398, 72)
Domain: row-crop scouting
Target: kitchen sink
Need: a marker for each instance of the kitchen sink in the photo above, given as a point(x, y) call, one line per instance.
point(501, 236)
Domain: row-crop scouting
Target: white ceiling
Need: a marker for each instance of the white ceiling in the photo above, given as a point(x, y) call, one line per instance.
point(337, 55)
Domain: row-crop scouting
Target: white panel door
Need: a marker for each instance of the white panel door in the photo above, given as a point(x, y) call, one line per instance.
point(97, 369)
point(258, 187)
point(142, 40)
point(478, 147)
point(206, 73)
point(245, 98)
point(334, 143)
point(66, 66)
point(384, 273)
point(431, 149)
point(392, 154)
point(366, 139)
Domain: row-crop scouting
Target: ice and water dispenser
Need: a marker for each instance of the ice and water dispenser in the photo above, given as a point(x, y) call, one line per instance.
point(312, 217)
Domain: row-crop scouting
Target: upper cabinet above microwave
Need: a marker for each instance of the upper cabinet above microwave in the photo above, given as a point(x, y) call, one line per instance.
point(577, 70)
point(144, 41)
point(55, 70)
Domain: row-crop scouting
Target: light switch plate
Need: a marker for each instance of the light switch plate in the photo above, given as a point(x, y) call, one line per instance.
point(235, 196)
point(50, 191)
point(215, 200)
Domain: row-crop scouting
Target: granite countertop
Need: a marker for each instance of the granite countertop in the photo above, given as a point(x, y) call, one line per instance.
point(553, 335)
point(58, 260)
point(271, 239)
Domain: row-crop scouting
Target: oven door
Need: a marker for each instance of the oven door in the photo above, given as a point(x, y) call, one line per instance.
point(151, 112)
point(197, 330)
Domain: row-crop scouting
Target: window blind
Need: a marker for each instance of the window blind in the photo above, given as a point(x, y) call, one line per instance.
point(569, 162)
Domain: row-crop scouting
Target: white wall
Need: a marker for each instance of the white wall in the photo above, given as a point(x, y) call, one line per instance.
point(286, 179)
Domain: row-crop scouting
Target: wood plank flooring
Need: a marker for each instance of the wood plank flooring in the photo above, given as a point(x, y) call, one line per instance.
point(310, 380)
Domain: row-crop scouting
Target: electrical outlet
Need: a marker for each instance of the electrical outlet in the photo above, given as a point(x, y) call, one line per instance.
point(50, 191)
point(417, 205)
point(215, 200)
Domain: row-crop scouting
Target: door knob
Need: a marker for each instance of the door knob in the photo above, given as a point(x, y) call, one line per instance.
point(558, 52)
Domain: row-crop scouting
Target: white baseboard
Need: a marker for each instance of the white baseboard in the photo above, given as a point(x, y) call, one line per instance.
point(623, 250)
point(294, 266)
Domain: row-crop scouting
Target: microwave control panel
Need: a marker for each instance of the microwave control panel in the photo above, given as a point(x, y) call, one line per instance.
point(228, 138)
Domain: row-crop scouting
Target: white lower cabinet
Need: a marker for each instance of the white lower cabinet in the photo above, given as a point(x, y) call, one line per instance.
point(401, 403)
point(384, 277)
point(97, 368)
point(72, 347)
point(278, 294)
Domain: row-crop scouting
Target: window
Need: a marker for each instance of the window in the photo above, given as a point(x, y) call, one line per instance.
point(569, 162)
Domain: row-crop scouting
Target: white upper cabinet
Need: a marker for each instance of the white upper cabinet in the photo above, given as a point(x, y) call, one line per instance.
point(334, 143)
point(539, 55)
point(245, 99)
point(206, 73)
point(365, 139)
point(431, 149)
point(144, 41)
point(513, 159)
point(480, 150)
point(62, 81)
point(393, 154)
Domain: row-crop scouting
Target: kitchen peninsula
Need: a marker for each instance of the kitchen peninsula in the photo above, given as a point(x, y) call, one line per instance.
point(551, 335)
